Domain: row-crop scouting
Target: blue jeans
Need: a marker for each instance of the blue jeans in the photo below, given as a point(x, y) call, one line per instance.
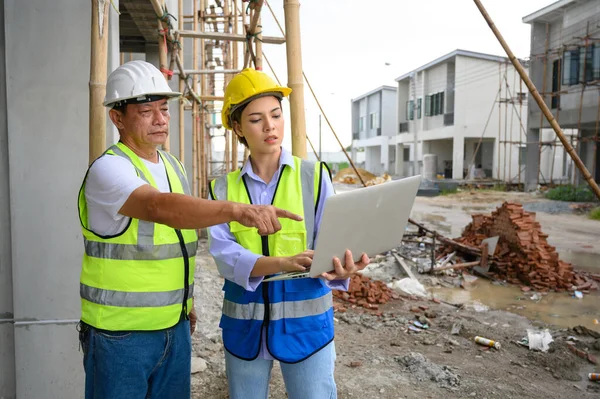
point(309, 379)
point(137, 364)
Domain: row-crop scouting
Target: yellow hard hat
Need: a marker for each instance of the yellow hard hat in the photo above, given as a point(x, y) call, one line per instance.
point(244, 87)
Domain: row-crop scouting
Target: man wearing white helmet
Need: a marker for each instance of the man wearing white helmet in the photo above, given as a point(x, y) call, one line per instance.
point(139, 226)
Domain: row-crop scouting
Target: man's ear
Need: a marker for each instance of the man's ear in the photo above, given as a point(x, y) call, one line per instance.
point(117, 118)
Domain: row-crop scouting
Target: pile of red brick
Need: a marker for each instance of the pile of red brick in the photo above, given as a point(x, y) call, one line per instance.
point(366, 292)
point(523, 251)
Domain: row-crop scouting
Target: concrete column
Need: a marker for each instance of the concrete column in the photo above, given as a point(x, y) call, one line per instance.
point(7, 339)
point(399, 160)
point(532, 155)
point(353, 154)
point(385, 156)
point(47, 119)
point(458, 156)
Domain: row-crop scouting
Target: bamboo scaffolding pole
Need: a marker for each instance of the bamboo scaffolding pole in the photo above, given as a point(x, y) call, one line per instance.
point(228, 36)
point(545, 110)
point(505, 118)
point(181, 90)
point(226, 79)
point(258, 61)
point(512, 114)
point(499, 118)
point(227, 71)
point(520, 137)
point(97, 83)
point(544, 78)
point(559, 81)
point(201, 117)
point(235, 56)
point(596, 138)
point(583, 87)
point(121, 58)
point(295, 82)
point(195, 106)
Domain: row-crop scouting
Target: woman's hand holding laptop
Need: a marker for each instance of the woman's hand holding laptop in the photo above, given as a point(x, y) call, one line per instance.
point(350, 267)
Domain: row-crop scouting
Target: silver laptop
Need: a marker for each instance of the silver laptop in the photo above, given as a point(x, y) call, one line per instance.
point(370, 220)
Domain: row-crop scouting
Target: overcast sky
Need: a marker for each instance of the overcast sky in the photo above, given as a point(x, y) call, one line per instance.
point(347, 43)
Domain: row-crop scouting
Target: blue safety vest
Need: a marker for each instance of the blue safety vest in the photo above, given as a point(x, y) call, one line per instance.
point(297, 313)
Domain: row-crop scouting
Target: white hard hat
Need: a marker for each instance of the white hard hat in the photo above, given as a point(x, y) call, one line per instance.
point(136, 81)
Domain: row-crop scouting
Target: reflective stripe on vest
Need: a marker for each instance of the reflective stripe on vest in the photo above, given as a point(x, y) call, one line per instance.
point(135, 280)
point(293, 309)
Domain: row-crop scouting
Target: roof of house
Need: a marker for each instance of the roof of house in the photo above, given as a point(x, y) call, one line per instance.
point(380, 88)
point(464, 53)
point(550, 12)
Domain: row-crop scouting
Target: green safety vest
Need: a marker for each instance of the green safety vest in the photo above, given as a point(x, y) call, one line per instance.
point(143, 277)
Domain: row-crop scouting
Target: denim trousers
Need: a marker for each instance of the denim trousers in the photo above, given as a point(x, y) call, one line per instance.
point(137, 364)
point(309, 379)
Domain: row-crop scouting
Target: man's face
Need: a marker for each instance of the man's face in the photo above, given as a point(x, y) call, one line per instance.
point(146, 124)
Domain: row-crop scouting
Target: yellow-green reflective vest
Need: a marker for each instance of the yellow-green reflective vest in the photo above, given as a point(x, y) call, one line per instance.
point(143, 277)
point(298, 313)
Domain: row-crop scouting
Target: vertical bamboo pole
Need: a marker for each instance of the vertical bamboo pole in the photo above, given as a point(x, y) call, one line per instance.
point(97, 84)
point(163, 62)
point(499, 116)
point(505, 117)
point(201, 115)
point(258, 45)
point(226, 78)
point(121, 58)
point(557, 95)
point(511, 145)
point(583, 87)
point(520, 133)
point(594, 165)
point(195, 103)
point(295, 82)
point(234, 139)
point(544, 78)
point(181, 90)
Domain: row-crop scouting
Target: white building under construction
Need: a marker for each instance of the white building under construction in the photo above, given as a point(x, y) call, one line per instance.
point(466, 108)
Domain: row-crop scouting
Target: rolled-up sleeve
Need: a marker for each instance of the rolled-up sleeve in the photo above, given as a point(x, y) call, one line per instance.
point(327, 191)
point(234, 262)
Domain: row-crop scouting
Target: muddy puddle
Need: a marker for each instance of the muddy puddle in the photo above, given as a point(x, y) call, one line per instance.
point(559, 309)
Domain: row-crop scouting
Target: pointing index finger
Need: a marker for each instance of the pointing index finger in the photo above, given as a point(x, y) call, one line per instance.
point(282, 213)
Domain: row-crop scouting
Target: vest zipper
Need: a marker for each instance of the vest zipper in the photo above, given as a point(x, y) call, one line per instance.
point(265, 285)
point(186, 263)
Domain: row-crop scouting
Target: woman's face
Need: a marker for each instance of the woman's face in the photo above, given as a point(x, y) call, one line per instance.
point(262, 125)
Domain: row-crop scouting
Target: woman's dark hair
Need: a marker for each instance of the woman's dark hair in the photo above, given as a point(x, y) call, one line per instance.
point(236, 116)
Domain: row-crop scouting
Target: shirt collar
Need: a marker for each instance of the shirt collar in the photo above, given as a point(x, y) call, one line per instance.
point(286, 158)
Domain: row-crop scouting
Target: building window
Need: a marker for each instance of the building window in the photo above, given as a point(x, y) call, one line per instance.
point(374, 120)
point(361, 124)
point(434, 104)
point(571, 68)
point(406, 154)
point(419, 101)
point(596, 62)
point(410, 110)
point(585, 64)
point(427, 105)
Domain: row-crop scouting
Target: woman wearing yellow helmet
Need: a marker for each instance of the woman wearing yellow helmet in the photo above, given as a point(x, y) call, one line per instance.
point(291, 320)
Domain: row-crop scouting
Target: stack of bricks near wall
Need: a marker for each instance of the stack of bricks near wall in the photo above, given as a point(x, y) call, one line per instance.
point(525, 257)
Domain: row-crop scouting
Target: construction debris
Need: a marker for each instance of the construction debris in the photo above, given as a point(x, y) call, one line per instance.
point(523, 254)
point(365, 292)
point(348, 176)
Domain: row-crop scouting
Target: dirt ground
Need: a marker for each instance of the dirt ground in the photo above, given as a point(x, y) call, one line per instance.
point(377, 357)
